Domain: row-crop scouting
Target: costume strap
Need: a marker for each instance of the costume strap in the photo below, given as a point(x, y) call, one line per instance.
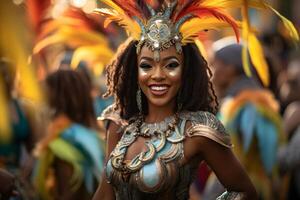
point(111, 114)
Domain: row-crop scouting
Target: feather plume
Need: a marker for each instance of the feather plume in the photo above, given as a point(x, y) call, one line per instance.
point(67, 35)
point(130, 7)
point(258, 4)
point(256, 53)
point(258, 59)
point(101, 54)
point(143, 5)
point(88, 42)
point(196, 9)
point(36, 11)
point(122, 19)
point(183, 5)
point(190, 29)
point(287, 24)
point(5, 129)
point(13, 46)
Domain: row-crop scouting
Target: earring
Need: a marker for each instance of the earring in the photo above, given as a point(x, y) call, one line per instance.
point(139, 99)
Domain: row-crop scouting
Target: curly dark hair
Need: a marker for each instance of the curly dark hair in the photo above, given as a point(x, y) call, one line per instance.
point(196, 92)
point(70, 94)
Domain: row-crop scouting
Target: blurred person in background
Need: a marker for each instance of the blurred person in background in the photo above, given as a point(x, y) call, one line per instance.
point(96, 82)
point(15, 151)
point(250, 114)
point(70, 156)
point(289, 155)
point(7, 185)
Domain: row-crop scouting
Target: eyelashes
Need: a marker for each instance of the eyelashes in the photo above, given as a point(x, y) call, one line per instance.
point(145, 66)
point(171, 65)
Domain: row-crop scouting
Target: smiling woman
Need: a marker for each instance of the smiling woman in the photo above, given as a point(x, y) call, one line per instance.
point(162, 125)
point(160, 80)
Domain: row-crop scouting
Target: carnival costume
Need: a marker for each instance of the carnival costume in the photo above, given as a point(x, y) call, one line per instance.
point(74, 144)
point(158, 173)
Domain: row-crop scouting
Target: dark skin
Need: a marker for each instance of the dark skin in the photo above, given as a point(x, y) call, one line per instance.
point(221, 159)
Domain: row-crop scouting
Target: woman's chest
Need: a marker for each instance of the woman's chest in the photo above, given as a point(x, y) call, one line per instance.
point(150, 165)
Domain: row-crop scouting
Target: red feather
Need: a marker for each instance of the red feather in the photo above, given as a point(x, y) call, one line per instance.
point(36, 11)
point(130, 7)
point(182, 6)
point(202, 12)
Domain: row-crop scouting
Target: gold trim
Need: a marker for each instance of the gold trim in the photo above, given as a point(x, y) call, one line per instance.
point(205, 131)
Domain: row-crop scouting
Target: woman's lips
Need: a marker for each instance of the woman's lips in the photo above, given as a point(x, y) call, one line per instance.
point(159, 90)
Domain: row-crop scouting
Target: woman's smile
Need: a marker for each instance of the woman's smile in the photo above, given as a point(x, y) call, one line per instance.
point(159, 89)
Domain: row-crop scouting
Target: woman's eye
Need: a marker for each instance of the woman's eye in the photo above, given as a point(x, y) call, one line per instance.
point(145, 66)
point(173, 65)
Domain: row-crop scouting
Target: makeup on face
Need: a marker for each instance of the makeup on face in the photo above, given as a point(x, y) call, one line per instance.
point(160, 80)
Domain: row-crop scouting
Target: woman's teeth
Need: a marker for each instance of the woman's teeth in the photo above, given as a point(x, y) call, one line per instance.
point(158, 88)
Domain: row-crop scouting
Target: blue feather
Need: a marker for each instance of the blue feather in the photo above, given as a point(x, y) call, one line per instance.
point(247, 124)
point(88, 179)
point(267, 136)
point(88, 142)
point(233, 125)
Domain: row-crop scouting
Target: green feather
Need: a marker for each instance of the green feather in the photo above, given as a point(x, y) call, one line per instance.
point(67, 152)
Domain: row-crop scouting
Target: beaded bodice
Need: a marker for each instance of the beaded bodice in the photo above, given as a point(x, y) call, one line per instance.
point(158, 173)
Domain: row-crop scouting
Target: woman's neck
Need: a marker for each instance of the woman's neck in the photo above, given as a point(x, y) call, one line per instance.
point(159, 113)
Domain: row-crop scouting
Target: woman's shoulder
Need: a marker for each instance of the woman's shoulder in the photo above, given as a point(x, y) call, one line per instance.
point(206, 124)
point(111, 113)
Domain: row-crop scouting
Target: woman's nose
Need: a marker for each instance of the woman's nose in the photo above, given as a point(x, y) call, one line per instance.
point(158, 74)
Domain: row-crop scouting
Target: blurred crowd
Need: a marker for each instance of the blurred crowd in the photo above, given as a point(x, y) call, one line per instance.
point(53, 55)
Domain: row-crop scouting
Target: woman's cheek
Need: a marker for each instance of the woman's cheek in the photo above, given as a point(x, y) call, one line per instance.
point(175, 72)
point(142, 72)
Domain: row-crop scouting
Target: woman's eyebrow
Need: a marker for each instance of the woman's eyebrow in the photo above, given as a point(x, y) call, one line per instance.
point(146, 58)
point(169, 58)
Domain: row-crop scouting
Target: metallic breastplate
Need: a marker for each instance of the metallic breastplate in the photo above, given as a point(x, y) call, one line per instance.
point(150, 172)
point(158, 173)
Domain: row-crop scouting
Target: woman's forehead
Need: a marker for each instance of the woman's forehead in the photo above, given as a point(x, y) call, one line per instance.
point(146, 52)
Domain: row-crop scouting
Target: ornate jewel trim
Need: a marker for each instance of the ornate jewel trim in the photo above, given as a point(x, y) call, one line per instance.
point(205, 131)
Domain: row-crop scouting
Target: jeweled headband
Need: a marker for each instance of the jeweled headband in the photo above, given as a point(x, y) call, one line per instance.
point(181, 21)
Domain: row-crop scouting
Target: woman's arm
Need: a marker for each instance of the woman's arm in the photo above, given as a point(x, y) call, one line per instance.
point(226, 167)
point(105, 190)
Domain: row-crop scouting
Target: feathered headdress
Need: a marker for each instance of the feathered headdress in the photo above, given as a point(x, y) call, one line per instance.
point(178, 23)
point(181, 21)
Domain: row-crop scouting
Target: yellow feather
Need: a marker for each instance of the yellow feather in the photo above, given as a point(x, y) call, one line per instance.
point(259, 4)
point(287, 24)
point(114, 6)
point(13, 45)
point(201, 48)
point(92, 54)
point(190, 29)
point(252, 44)
point(245, 34)
point(5, 129)
point(98, 69)
point(118, 15)
point(68, 36)
point(258, 59)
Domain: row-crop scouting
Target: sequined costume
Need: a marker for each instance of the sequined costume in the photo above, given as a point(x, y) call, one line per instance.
point(158, 172)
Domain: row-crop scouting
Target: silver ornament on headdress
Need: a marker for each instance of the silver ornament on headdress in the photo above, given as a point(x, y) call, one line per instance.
point(160, 33)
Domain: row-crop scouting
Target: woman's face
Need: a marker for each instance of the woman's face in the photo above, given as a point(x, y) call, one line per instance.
point(160, 80)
